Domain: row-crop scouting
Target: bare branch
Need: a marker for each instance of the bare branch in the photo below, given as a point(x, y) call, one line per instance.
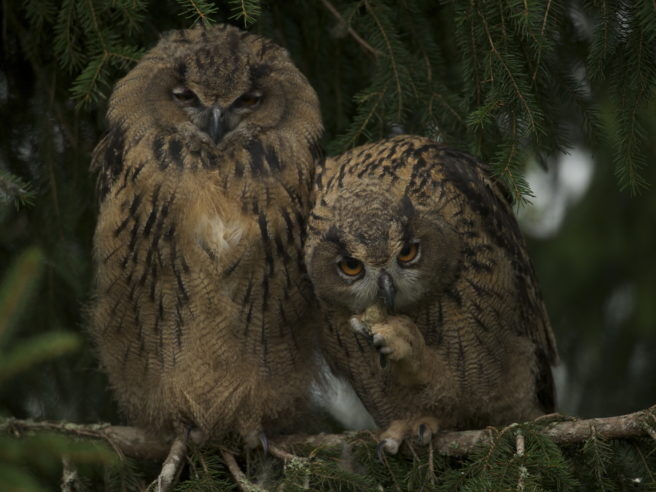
point(129, 441)
point(463, 442)
point(172, 464)
point(331, 8)
point(239, 476)
point(136, 443)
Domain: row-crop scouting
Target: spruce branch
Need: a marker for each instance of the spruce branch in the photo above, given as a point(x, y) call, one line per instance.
point(198, 10)
point(137, 443)
point(392, 58)
point(14, 189)
point(246, 10)
point(331, 8)
point(509, 72)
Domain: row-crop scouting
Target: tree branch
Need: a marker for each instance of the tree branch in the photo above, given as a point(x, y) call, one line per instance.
point(129, 441)
point(172, 464)
point(331, 8)
point(240, 477)
point(136, 443)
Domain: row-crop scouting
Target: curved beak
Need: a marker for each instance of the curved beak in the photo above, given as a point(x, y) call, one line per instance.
point(215, 123)
point(386, 290)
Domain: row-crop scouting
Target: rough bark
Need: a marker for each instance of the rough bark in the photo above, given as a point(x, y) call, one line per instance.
point(136, 443)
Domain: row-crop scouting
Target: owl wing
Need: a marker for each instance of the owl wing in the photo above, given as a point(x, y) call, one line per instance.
point(540, 331)
point(536, 326)
point(485, 203)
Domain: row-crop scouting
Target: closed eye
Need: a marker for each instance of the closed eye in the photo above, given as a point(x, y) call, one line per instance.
point(249, 100)
point(184, 96)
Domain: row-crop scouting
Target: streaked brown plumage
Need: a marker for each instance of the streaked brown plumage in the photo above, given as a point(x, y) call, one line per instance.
point(420, 267)
point(201, 316)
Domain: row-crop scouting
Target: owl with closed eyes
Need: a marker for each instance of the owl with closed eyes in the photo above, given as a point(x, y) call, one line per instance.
point(430, 304)
point(201, 316)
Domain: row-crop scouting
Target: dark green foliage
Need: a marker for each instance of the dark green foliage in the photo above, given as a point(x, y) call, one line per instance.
point(622, 60)
point(510, 81)
point(542, 465)
point(206, 472)
point(615, 465)
point(14, 190)
point(198, 11)
point(23, 460)
point(124, 475)
point(246, 11)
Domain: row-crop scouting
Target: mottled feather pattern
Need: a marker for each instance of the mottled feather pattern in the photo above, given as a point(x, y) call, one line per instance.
point(201, 314)
point(478, 308)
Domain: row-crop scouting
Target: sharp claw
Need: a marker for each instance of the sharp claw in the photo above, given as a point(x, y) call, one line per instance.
point(264, 441)
point(380, 451)
point(382, 359)
point(361, 328)
point(422, 432)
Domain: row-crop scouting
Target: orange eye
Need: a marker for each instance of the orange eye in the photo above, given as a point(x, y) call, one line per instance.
point(350, 266)
point(249, 100)
point(408, 253)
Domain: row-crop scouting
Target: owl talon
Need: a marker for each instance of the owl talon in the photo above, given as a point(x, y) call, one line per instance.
point(380, 452)
point(264, 442)
point(361, 328)
point(424, 434)
point(386, 446)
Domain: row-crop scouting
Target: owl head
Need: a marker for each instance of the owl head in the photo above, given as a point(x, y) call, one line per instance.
point(220, 79)
point(370, 241)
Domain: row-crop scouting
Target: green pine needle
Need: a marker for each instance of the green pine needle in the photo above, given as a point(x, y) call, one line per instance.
point(247, 11)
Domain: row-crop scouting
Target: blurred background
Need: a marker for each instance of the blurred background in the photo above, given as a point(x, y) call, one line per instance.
point(561, 94)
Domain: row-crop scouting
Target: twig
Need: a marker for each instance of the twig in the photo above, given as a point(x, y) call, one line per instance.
point(281, 453)
point(431, 463)
point(70, 481)
point(240, 477)
point(172, 464)
point(520, 443)
point(331, 8)
point(650, 430)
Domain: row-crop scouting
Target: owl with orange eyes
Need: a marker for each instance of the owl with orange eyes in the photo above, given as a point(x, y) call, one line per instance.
point(431, 309)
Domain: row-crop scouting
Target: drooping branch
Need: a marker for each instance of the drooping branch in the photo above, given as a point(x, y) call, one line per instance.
point(136, 443)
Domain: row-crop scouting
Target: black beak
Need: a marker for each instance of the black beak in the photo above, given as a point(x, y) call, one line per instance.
point(386, 290)
point(215, 125)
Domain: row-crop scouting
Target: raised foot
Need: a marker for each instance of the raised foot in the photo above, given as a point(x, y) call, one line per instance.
point(397, 340)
